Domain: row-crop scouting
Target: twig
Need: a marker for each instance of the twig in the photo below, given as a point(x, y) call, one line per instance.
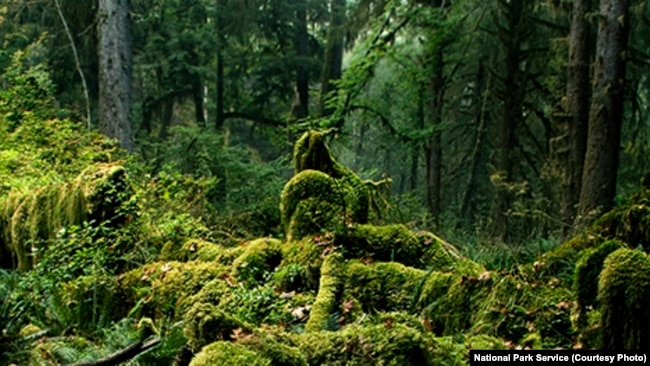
point(78, 64)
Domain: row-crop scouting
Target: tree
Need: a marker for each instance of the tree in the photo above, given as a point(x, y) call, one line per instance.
point(115, 59)
point(606, 112)
point(577, 93)
point(333, 54)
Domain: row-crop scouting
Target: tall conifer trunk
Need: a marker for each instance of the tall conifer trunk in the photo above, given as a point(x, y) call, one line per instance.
point(115, 63)
point(606, 112)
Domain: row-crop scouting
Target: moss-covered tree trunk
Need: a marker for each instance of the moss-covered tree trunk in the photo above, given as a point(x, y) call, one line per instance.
point(606, 112)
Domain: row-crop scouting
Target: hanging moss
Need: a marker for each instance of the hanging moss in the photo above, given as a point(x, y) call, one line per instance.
point(32, 218)
point(382, 286)
point(204, 324)
point(329, 293)
point(258, 259)
point(228, 353)
point(623, 292)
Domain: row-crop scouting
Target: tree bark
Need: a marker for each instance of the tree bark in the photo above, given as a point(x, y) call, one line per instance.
point(333, 53)
point(606, 112)
point(115, 61)
point(578, 93)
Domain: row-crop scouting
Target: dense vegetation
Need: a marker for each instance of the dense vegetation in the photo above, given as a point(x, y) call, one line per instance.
point(321, 182)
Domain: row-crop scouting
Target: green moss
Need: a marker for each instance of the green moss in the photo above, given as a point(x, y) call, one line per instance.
point(382, 344)
point(482, 341)
point(204, 324)
point(382, 286)
point(259, 258)
point(275, 345)
point(629, 222)
point(391, 243)
point(311, 201)
point(308, 253)
point(191, 249)
point(588, 268)
point(212, 293)
point(329, 293)
point(161, 286)
point(31, 218)
point(623, 291)
point(560, 261)
point(228, 353)
point(291, 277)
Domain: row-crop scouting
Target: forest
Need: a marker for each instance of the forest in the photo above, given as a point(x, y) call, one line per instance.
point(322, 182)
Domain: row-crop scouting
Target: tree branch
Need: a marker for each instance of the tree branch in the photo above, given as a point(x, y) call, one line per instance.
point(122, 355)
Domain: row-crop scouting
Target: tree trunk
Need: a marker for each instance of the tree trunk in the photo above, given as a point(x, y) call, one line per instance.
point(434, 155)
point(606, 112)
point(333, 53)
point(511, 95)
point(221, 39)
point(578, 93)
point(301, 107)
point(115, 60)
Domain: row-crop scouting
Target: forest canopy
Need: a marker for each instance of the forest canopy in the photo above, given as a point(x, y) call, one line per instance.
point(321, 182)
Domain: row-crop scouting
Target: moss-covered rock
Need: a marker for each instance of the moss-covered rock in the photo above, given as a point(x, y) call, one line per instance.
point(228, 353)
point(623, 291)
point(329, 293)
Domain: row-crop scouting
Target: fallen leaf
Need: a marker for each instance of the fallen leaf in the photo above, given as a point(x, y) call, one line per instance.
point(348, 306)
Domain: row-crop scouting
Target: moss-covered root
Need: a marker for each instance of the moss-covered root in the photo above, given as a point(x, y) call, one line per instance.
point(204, 324)
point(393, 243)
point(329, 292)
point(228, 353)
point(623, 292)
